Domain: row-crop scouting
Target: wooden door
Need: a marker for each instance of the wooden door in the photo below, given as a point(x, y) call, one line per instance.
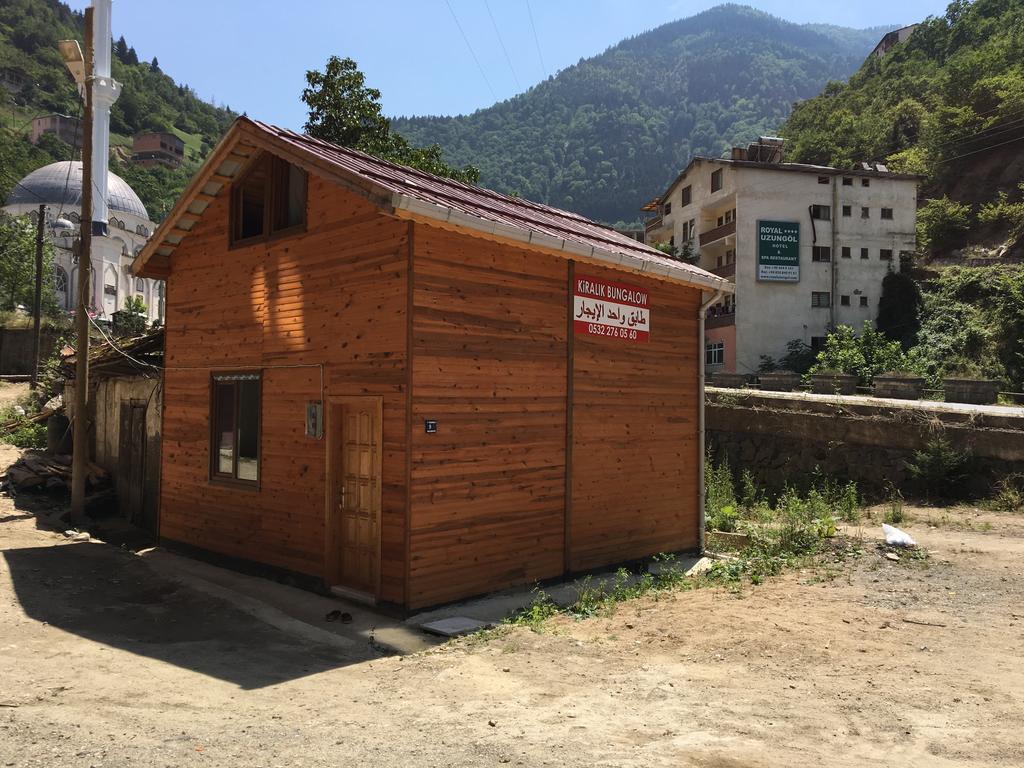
point(353, 525)
point(131, 481)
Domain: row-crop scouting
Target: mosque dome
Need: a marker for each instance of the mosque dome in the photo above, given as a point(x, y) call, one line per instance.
point(60, 185)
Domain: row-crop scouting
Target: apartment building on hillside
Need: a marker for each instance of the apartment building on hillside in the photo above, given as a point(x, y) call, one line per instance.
point(806, 246)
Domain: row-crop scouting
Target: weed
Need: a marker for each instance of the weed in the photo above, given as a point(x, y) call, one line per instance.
point(894, 514)
point(1009, 496)
point(540, 609)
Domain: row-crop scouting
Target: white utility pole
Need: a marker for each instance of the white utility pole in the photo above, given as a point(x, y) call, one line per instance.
point(100, 91)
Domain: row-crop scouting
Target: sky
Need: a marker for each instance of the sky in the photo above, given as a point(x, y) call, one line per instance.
point(435, 57)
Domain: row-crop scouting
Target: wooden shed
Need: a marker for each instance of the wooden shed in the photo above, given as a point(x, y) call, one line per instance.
point(417, 390)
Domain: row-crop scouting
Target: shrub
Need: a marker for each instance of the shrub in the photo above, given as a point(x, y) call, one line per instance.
point(864, 356)
point(939, 469)
point(941, 222)
point(1001, 212)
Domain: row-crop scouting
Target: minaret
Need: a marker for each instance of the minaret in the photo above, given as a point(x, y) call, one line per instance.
point(105, 91)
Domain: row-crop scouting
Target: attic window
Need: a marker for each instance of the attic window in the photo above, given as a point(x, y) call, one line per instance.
point(270, 198)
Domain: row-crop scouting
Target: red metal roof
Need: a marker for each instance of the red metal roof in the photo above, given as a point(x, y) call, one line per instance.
point(478, 202)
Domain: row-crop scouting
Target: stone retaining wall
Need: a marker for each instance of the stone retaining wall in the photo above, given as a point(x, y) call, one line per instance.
point(784, 437)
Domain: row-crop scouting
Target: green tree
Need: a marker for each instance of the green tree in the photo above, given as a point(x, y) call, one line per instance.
point(18, 265)
point(344, 110)
point(899, 309)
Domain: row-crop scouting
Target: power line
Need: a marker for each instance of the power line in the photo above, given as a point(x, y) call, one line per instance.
point(982, 134)
point(501, 42)
point(982, 149)
point(536, 39)
point(471, 51)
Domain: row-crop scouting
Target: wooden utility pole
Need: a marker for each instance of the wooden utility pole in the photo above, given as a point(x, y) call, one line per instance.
point(80, 433)
point(37, 302)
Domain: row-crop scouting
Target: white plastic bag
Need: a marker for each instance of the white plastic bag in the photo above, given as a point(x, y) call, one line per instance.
point(894, 537)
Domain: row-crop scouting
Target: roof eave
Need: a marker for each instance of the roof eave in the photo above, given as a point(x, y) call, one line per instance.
point(546, 242)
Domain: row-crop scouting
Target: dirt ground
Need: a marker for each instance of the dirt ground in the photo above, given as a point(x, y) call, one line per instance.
point(910, 663)
point(11, 394)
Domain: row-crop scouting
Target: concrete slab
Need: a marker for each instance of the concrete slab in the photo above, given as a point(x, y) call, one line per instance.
point(496, 607)
point(453, 626)
point(292, 610)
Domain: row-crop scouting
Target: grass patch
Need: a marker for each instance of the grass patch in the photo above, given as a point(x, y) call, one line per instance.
point(599, 597)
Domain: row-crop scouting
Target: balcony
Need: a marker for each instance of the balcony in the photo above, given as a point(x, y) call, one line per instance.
point(726, 270)
point(712, 235)
point(652, 223)
point(718, 317)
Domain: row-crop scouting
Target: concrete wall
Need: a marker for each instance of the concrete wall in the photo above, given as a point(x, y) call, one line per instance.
point(105, 424)
point(784, 437)
point(16, 347)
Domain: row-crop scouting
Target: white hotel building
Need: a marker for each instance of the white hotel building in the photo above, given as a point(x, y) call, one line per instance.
point(807, 246)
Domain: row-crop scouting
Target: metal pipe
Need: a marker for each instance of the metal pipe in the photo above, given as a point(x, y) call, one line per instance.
point(701, 352)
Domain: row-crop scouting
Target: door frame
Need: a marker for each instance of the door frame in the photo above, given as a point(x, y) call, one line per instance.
point(333, 422)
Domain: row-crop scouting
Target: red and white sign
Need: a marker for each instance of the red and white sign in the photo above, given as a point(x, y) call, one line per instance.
point(614, 310)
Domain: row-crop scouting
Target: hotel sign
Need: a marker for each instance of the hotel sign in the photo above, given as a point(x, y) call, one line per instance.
point(778, 251)
point(613, 310)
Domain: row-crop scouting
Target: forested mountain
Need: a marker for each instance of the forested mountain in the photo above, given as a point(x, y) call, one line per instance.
point(609, 133)
point(34, 81)
point(948, 103)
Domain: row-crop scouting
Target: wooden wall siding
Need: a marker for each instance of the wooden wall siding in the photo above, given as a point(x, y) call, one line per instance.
point(635, 434)
point(489, 364)
point(336, 295)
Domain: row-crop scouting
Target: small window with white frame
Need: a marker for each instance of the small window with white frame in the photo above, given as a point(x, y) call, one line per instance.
point(714, 353)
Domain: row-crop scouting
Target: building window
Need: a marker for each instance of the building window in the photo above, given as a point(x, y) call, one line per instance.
point(846, 252)
point(140, 285)
point(235, 433)
point(823, 179)
point(817, 343)
point(865, 182)
point(844, 301)
point(820, 299)
point(714, 353)
point(269, 198)
point(863, 301)
point(887, 213)
point(847, 210)
point(863, 253)
point(865, 213)
point(821, 253)
point(60, 286)
point(666, 209)
point(716, 180)
point(885, 254)
point(847, 181)
point(687, 195)
point(823, 212)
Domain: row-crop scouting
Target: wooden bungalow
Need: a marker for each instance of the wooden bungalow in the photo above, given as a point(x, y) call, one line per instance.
point(417, 390)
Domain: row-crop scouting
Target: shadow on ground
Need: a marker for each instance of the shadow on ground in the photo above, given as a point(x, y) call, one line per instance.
point(108, 596)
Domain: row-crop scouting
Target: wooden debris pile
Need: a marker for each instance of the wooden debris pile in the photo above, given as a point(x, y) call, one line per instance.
point(45, 472)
